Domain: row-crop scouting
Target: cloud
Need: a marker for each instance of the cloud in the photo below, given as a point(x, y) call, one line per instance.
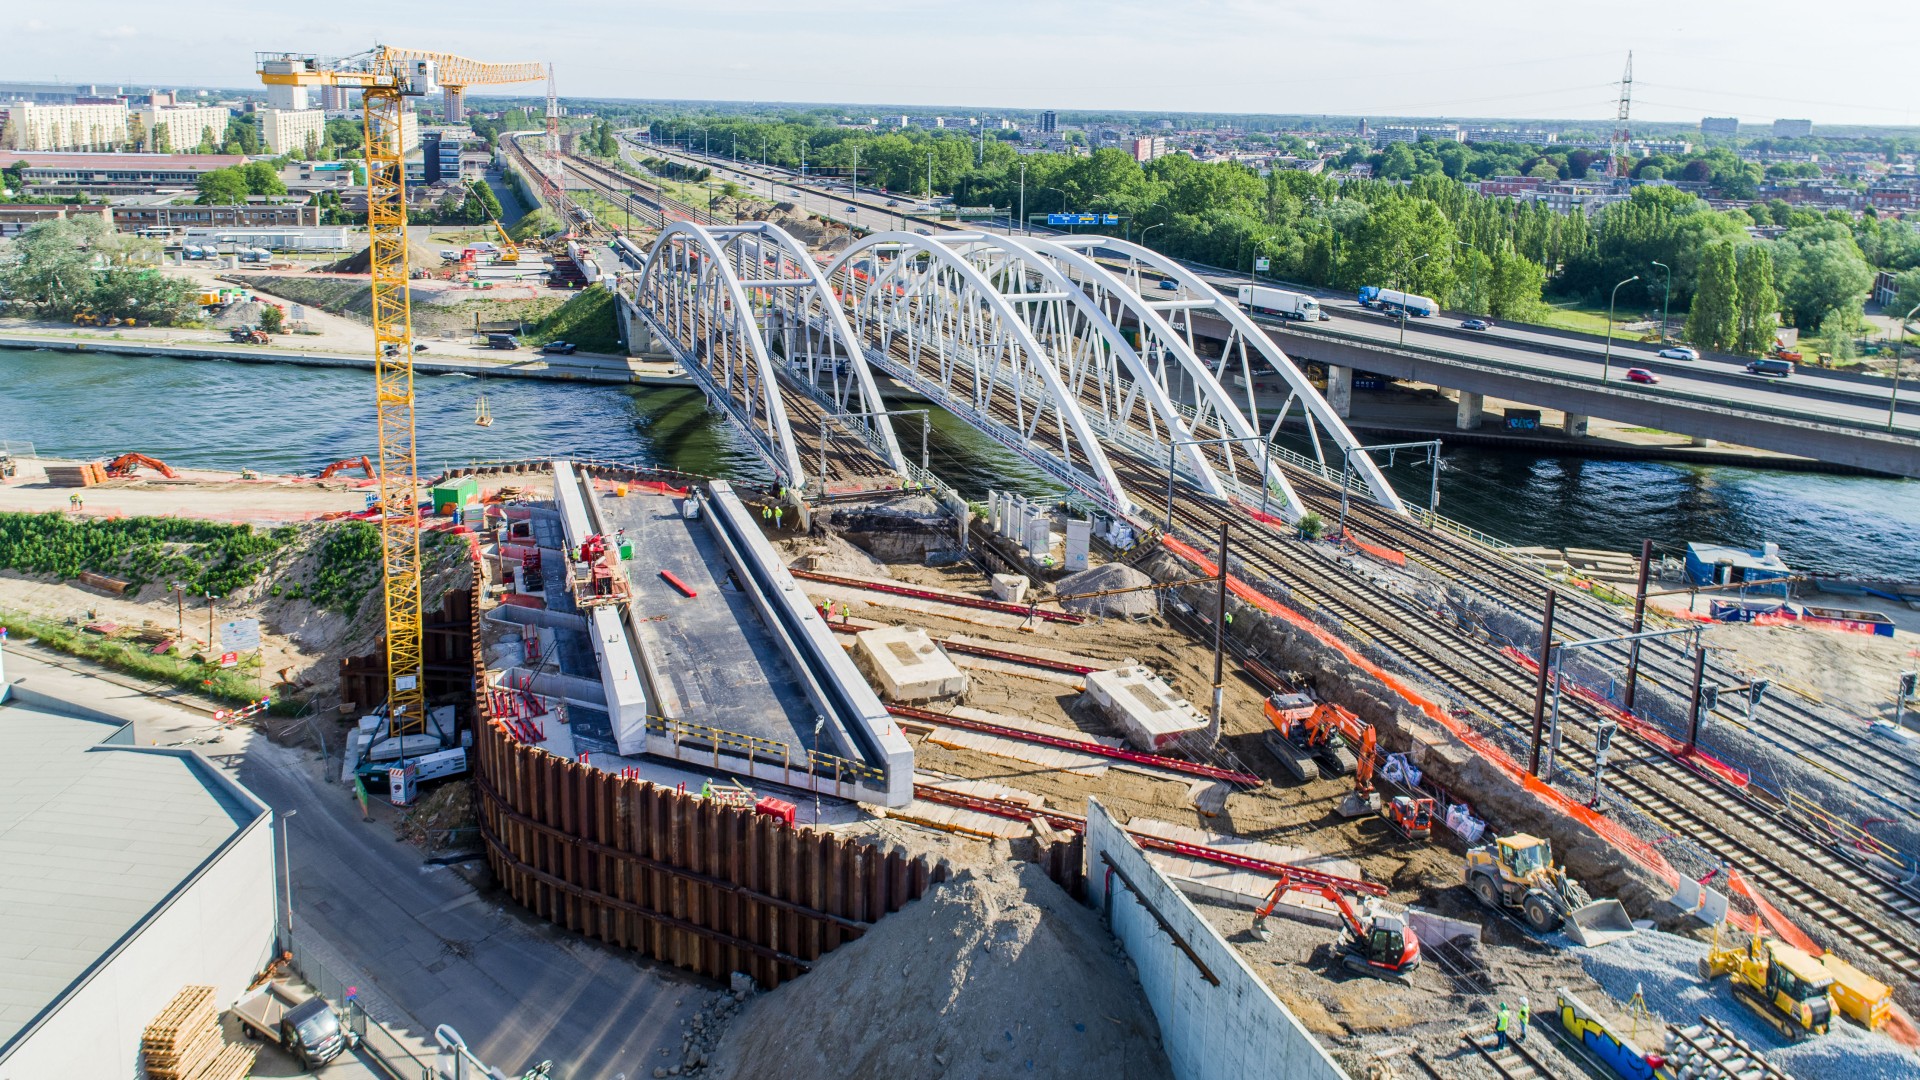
point(122, 32)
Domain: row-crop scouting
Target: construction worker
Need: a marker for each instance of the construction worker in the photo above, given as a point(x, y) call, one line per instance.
point(845, 612)
point(73, 502)
point(1500, 1022)
point(779, 514)
point(766, 512)
point(1526, 1013)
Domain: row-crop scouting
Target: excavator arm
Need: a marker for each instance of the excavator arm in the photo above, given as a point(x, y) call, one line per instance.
point(126, 463)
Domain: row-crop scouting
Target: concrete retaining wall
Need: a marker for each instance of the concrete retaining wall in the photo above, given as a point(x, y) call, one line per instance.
point(626, 695)
point(1231, 1026)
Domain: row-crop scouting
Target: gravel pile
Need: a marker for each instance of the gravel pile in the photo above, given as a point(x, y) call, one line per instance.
point(995, 973)
point(1665, 968)
point(1130, 605)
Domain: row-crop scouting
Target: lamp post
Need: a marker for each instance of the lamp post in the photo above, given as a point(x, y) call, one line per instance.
point(1405, 273)
point(286, 868)
point(1253, 261)
point(929, 174)
point(1148, 229)
point(1606, 364)
point(1023, 199)
point(1666, 297)
point(1899, 349)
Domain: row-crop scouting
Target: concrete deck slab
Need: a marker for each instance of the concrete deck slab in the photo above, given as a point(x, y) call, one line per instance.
point(726, 668)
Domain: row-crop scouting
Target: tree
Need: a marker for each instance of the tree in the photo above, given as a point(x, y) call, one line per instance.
point(163, 138)
point(49, 270)
point(1757, 304)
point(14, 177)
point(1546, 170)
point(1821, 271)
point(263, 179)
point(222, 187)
point(1906, 291)
point(272, 320)
point(207, 145)
point(1711, 321)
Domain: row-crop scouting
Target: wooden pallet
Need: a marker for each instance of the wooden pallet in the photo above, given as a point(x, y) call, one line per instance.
point(233, 1063)
point(184, 1040)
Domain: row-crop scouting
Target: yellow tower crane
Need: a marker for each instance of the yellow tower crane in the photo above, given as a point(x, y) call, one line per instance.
point(386, 77)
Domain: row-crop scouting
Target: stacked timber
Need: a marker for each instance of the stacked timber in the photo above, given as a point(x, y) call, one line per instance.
point(1613, 567)
point(184, 1041)
point(81, 474)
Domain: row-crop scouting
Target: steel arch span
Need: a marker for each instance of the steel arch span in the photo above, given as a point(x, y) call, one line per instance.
point(1059, 355)
point(743, 305)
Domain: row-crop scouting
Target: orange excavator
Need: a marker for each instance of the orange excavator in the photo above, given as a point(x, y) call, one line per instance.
point(1308, 731)
point(346, 464)
point(1375, 942)
point(126, 463)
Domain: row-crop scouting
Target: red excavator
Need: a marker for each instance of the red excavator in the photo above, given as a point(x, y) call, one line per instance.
point(1377, 943)
point(345, 464)
point(126, 463)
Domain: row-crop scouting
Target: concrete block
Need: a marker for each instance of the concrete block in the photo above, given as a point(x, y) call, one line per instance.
point(907, 665)
point(1011, 587)
point(1144, 706)
point(1470, 411)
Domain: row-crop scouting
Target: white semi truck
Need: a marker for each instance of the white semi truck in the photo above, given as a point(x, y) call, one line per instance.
point(1281, 302)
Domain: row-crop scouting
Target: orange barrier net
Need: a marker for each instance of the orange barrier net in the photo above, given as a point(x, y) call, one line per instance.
point(1384, 554)
point(1632, 846)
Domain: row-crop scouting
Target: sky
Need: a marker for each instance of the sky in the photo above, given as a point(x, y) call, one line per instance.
point(1468, 58)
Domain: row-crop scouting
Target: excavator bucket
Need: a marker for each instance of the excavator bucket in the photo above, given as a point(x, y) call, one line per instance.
point(1598, 923)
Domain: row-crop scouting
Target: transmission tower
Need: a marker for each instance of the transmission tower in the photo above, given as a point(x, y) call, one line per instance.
point(550, 168)
point(1617, 159)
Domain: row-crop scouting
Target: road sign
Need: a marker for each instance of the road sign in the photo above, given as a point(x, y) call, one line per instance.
point(1260, 264)
point(1083, 219)
point(240, 635)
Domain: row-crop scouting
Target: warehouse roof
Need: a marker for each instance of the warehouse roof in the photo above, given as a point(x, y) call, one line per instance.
point(111, 162)
point(97, 837)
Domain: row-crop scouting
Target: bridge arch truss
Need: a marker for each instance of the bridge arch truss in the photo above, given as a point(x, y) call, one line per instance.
point(743, 305)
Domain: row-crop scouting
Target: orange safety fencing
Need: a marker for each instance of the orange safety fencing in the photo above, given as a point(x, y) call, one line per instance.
point(1632, 846)
point(1384, 554)
point(1780, 924)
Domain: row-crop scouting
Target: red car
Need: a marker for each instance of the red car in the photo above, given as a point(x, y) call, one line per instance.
point(1642, 375)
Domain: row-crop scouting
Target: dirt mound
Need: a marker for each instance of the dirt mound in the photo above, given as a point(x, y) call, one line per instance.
point(994, 973)
point(1132, 605)
point(360, 263)
point(829, 554)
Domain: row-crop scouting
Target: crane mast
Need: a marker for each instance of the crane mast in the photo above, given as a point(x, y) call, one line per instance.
point(386, 77)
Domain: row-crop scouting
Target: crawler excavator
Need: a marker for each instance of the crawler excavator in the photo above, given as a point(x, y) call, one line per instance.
point(1784, 986)
point(1374, 942)
point(126, 463)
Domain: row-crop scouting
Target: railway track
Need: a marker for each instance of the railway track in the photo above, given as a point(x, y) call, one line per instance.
point(1513, 1061)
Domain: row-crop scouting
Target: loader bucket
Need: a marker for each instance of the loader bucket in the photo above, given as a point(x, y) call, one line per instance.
point(1598, 923)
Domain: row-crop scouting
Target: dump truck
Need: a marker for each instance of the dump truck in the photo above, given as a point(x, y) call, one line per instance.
point(1784, 986)
point(1516, 874)
point(302, 1023)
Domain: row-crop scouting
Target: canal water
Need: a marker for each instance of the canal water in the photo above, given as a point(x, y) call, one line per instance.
point(280, 418)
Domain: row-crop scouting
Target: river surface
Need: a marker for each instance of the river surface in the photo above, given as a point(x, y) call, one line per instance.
point(281, 418)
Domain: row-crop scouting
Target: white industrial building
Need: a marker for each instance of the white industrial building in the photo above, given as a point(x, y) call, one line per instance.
point(131, 871)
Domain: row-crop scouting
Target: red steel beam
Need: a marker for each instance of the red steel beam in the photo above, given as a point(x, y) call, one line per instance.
point(677, 583)
point(1097, 749)
point(939, 597)
point(1073, 823)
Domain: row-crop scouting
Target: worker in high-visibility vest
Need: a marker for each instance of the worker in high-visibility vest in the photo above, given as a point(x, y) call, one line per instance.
point(1526, 1014)
point(1501, 1020)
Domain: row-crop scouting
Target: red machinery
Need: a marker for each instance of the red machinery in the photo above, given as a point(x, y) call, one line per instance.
point(1411, 817)
point(1379, 943)
point(344, 464)
point(598, 576)
point(126, 463)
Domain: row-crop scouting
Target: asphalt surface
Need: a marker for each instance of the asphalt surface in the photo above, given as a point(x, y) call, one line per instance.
point(423, 944)
point(1816, 395)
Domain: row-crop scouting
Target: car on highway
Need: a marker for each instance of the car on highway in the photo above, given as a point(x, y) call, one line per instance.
point(893, 202)
point(1476, 324)
point(1680, 352)
point(853, 209)
point(1169, 284)
point(561, 347)
point(1642, 375)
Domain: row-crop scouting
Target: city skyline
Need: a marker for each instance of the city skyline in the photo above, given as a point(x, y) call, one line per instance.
point(1221, 56)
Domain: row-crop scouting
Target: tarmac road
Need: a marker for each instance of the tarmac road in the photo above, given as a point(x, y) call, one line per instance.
point(424, 946)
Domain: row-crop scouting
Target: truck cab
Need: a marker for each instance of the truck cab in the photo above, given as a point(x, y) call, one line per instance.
point(304, 1025)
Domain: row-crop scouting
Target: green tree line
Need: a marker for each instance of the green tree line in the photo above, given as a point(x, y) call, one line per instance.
point(60, 268)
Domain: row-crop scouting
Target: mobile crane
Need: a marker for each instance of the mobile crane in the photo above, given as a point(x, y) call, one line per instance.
point(386, 77)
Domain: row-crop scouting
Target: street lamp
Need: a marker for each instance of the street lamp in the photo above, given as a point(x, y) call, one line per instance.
point(286, 867)
point(1899, 349)
point(1405, 273)
point(1023, 200)
point(1665, 297)
point(1253, 261)
point(1606, 364)
point(1148, 229)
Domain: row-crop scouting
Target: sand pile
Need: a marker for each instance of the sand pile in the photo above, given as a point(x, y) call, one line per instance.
point(995, 973)
point(833, 554)
point(1131, 605)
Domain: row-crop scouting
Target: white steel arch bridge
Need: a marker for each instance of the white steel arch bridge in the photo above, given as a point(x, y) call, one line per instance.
point(1078, 353)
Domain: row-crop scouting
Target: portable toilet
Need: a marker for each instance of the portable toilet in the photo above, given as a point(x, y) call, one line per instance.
point(455, 494)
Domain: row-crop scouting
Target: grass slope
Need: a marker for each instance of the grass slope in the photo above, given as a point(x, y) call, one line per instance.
point(586, 319)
